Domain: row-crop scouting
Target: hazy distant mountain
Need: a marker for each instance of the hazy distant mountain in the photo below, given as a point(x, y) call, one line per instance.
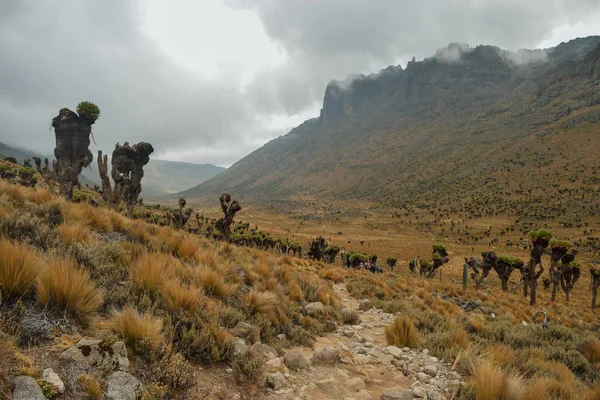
point(463, 124)
point(160, 177)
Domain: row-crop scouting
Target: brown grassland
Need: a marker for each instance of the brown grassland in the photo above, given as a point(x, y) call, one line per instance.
point(176, 298)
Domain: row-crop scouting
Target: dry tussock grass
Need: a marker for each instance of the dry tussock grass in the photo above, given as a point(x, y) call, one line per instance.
point(19, 268)
point(139, 231)
point(75, 232)
point(402, 333)
point(7, 364)
point(139, 331)
point(40, 196)
point(91, 386)
point(179, 297)
point(68, 288)
point(17, 192)
point(333, 274)
point(261, 302)
point(97, 218)
point(489, 382)
point(590, 350)
point(213, 283)
point(151, 270)
point(206, 258)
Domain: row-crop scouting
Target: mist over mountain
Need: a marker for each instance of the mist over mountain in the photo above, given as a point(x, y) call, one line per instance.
point(453, 122)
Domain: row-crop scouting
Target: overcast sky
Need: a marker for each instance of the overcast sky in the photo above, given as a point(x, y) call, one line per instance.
point(213, 80)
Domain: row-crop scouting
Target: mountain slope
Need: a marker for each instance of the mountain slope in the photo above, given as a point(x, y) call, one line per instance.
point(160, 177)
point(450, 124)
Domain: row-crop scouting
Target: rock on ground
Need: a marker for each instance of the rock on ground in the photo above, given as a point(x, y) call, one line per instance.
point(277, 381)
point(326, 355)
point(122, 386)
point(295, 361)
point(52, 378)
point(93, 353)
point(315, 308)
point(397, 394)
point(26, 388)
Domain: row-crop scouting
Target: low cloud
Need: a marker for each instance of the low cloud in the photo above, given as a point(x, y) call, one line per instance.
point(56, 53)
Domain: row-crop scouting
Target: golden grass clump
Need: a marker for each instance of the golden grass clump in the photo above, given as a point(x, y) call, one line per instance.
point(19, 268)
point(261, 302)
point(590, 350)
point(492, 383)
point(40, 196)
point(7, 364)
point(83, 212)
point(139, 331)
point(91, 386)
point(75, 232)
point(179, 297)
point(184, 247)
point(402, 333)
point(65, 286)
point(333, 274)
point(151, 270)
point(213, 283)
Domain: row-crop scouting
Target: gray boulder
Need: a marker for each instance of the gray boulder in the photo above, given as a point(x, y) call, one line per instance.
point(276, 380)
point(26, 388)
point(295, 361)
point(52, 378)
point(397, 394)
point(122, 386)
point(316, 308)
point(365, 305)
point(98, 355)
point(326, 355)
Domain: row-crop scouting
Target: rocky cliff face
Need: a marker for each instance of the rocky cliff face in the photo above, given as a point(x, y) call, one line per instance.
point(404, 131)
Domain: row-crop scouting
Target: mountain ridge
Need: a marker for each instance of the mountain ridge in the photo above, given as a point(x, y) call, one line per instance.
point(393, 134)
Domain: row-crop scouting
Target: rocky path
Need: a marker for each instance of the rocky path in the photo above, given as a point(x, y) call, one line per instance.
point(355, 362)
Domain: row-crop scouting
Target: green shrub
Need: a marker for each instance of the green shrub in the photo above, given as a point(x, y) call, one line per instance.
point(88, 110)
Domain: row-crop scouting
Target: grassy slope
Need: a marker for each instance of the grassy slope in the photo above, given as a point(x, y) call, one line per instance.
point(172, 276)
point(438, 134)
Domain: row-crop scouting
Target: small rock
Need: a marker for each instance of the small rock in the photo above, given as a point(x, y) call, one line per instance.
point(315, 308)
point(229, 370)
point(421, 377)
point(243, 330)
point(419, 392)
point(365, 305)
point(277, 380)
point(240, 347)
point(363, 395)
point(425, 351)
point(394, 351)
point(263, 350)
point(431, 370)
point(329, 386)
point(355, 384)
point(295, 361)
point(52, 378)
point(361, 350)
point(397, 394)
point(326, 355)
point(122, 386)
point(276, 365)
point(431, 395)
point(26, 388)
point(454, 375)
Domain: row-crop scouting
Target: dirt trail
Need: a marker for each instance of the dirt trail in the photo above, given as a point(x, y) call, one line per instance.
point(365, 367)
